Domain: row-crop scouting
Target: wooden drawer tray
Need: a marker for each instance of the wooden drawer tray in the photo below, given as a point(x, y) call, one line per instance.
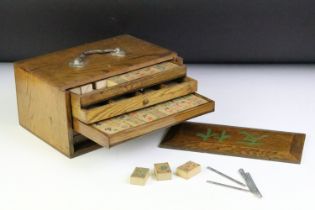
point(118, 129)
point(129, 82)
point(138, 100)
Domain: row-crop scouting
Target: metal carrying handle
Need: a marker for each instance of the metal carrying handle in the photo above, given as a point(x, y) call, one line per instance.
point(80, 62)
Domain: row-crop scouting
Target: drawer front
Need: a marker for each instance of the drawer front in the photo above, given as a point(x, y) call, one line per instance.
point(118, 129)
point(139, 100)
point(99, 91)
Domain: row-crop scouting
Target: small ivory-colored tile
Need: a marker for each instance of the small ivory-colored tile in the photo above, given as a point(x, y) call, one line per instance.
point(162, 171)
point(188, 170)
point(101, 84)
point(167, 109)
point(113, 125)
point(165, 66)
point(146, 116)
point(83, 89)
point(157, 113)
point(107, 127)
point(86, 88)
point(76, 90)
point(139, 176)
point(132, 121)
point(113, 81)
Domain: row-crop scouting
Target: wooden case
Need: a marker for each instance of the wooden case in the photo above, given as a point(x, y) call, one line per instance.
point(139, 91)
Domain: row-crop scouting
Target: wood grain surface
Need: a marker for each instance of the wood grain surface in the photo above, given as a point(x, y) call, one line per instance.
point(115, 108)
point(122, 129)
point(237, 141)
point(45, 111)
point(54, 68)
point(100, 94)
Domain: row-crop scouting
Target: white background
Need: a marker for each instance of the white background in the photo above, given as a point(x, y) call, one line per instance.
point(278, 97)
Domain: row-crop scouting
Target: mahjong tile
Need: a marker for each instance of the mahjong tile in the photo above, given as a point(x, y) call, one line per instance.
point(134, 122)
point(147, 117)
point(157, 113)
point(167, 109)
point(115, 81)
point(107, 127)
point(120, 123)
point(100, 84)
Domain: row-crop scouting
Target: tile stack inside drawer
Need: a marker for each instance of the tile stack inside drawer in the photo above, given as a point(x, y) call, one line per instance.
point(155, 112)
point(119, 79)
point(131, 104)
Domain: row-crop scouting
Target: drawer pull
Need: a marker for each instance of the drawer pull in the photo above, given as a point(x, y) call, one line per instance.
point(80, 62)
point(145, 101)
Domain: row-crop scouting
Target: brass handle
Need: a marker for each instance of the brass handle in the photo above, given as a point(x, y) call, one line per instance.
point(80, 61)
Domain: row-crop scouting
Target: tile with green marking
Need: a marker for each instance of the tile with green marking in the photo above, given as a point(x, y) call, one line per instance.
point(162, 171)
point(139, 176)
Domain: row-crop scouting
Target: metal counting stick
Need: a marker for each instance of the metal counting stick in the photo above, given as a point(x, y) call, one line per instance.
point(250, 183)
point(226, 176)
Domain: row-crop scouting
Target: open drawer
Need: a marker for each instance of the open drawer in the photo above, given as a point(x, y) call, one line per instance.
point(145, 97)
point(121, 128)
point(101, 90)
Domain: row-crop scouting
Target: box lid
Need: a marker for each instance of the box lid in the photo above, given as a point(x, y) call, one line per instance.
point(54, 67)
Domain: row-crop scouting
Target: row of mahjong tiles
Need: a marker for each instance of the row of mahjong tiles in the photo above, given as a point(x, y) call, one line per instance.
point(119, 79)
point(155, 112)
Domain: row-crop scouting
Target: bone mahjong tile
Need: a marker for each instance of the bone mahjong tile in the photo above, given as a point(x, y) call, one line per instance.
point(100, 84)
point(83, 89)
point(145, 116)
point(113, 81)
point(134, 122)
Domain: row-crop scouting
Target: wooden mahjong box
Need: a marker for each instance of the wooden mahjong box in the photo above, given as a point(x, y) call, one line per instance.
point(104, 93)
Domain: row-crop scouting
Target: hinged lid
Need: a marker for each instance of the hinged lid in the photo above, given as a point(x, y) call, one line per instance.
point(56, 69)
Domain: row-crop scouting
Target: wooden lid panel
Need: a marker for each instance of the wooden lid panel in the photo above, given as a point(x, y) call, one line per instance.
point(54, 67)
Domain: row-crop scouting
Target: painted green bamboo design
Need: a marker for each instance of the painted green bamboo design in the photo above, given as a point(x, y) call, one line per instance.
point(223, 136)
point(249, 138)
point(210, 134)
point(252, 139)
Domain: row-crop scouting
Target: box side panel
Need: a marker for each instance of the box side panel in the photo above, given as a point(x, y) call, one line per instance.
point(43, 110)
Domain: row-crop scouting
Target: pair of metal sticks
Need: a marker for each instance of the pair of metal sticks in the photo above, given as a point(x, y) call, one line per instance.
point(250, 184)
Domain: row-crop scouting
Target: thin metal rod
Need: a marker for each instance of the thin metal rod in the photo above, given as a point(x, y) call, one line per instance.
point(254, 185)
point(228, 186)
point(226, 176)
point(250, 183)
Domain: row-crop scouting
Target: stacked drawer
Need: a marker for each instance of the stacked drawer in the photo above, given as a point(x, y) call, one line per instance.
point(127, 105)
